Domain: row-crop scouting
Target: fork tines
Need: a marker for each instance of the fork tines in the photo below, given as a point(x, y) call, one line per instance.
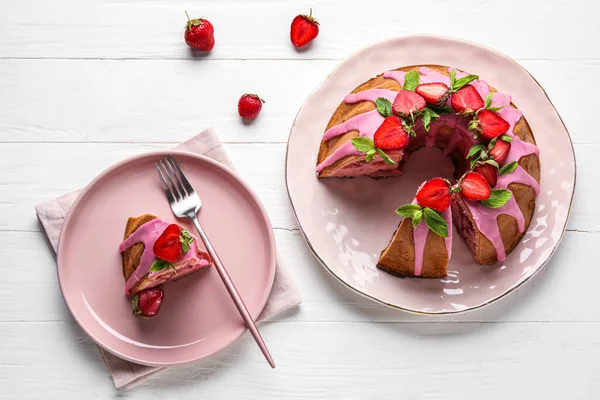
point(173, 180)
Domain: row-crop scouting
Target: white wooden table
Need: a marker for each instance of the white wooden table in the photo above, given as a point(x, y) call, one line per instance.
point(84, 84)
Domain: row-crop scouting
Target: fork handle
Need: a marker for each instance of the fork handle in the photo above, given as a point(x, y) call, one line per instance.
point(233, 292)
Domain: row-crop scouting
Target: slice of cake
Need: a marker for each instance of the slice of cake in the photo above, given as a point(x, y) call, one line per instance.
point(154, 253)
point(427, 224)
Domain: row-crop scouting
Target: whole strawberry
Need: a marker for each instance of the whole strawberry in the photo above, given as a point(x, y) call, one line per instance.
point(304, 29)
point(199, 34)
point(249, 106)
point(147, 302)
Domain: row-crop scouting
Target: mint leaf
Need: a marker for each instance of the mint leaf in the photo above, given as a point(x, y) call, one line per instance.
point(465, 80)
point(492, 143)
point(495, 108)
point(363, 144)
point(158, 265)
point(488, 100)
point(452, 78)
point(385, 157)
point(506, 138)
point(408, 210)
point(476, 149)
point(432, 112)
point(411, 80)
point(508, 168)
point(497, 199)
point(435, 222)
point(426, 119)
point(493, 162)
point(417, 218)
point(370, 156)
point(443, 110)
point(384, 106)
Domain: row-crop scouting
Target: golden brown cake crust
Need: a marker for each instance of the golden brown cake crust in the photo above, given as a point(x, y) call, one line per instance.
point(399, 257)
point(484, 251)
point(133, 255)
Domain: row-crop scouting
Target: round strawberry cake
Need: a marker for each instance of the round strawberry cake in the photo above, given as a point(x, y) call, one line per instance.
point(491, 199)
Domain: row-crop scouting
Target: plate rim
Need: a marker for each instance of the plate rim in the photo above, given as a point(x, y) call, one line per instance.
point(375, 299)
point(272, 265)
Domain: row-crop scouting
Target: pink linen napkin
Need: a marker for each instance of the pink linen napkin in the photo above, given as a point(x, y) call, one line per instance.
point(284, 294)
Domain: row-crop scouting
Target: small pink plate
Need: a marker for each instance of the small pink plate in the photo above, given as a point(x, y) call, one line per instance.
point(347, 222)
point(197, 317)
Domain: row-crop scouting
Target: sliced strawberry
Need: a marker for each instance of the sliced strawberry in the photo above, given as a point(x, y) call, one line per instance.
point(391, 135)
point(435, 193)
point(407, 102)
point(466, 100)
point(500, 151)
point(147, 302)
point(168, 246)
point(434, 93)
point(475, 187)
point(489, 172)
point(491, 125)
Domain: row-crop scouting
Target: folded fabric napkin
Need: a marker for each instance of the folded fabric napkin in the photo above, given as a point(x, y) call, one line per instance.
point(284, 294)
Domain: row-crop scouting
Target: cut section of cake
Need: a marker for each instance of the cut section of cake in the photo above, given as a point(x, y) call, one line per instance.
point(427, 224)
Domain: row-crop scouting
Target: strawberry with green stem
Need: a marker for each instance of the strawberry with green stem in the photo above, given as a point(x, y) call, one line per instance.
point(433, 197)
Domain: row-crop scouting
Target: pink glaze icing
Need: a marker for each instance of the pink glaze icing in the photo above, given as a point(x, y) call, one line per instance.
point(486, 221)
point(371, 95)
point(420, 233)
point(366, 124)
point(519, 175)
point(147, 234)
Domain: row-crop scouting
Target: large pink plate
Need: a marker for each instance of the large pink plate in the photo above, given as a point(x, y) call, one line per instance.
point(347, 222)
point(197, 317)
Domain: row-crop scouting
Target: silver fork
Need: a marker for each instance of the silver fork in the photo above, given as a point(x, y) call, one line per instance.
point(186, 203)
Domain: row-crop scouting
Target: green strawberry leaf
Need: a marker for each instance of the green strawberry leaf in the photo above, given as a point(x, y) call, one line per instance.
point(508, 168)
point(158, 265)
point(411, 80)
point(452, 78)
point(475, 150)
point(417, 218)
point(457, 188)
point(363, 144)
point(492, 143)
point(495, 108)
point(494, 163)
point(488, 100)
point(186, 239)
point(506, 138)
point(385, 157)
point(426, 119)
point(408, 210)
point(409, 129)
point(384, 106)
point(497, 199)
point(435, 222)
point(135, 304)
point(465, 80)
